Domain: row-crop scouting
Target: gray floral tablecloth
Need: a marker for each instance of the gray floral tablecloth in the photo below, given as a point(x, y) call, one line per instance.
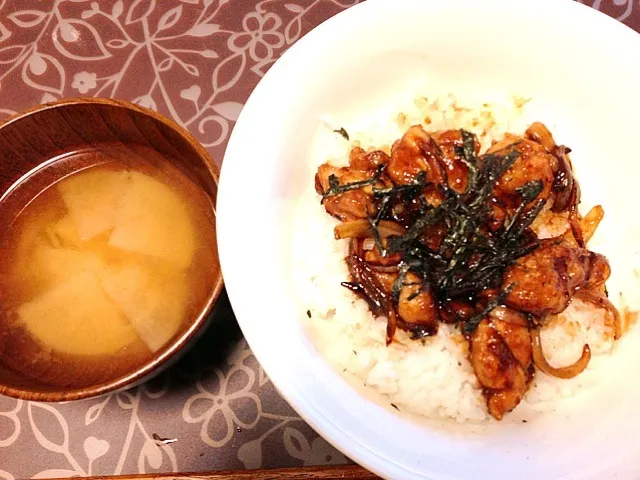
point(195, 61)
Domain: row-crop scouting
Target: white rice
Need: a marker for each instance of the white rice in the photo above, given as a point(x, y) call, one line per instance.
point(434, 379)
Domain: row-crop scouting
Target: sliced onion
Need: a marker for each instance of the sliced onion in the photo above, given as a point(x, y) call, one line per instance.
point(383, 268)
point(371, 289)
point(590, 222)
point(362, 274)
point(362, 229)
point(392, 322)
point(566, 190)
point(567, 372)
point(509, 315)
point(576, 229)
point(582, 229)
point(599, 300)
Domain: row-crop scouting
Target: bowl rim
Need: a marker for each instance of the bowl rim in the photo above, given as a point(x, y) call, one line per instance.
point(170, 353)
point(320, 420)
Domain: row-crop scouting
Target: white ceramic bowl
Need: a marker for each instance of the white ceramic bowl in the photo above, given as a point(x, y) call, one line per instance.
point(582, 70)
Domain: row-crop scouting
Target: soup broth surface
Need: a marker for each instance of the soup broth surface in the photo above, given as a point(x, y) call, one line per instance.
point(103, 267)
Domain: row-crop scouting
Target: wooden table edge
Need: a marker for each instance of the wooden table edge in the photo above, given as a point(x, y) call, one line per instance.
point(336, 472)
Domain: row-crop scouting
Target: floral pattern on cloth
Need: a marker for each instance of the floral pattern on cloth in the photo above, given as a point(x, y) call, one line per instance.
point(195, 61)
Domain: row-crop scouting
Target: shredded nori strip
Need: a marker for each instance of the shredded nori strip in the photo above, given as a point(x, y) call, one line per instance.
point(404, 192)
point(373, 221)
point(468, 155)
point(342, 132)
point(473, 258)
point(403, 269)
point(419, 332)
point(470, 258)
point(471, 324)
point(336, 189)
point(404, 242)
point(385, 197)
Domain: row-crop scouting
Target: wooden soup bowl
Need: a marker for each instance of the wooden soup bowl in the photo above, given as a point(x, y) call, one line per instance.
point(31, 142)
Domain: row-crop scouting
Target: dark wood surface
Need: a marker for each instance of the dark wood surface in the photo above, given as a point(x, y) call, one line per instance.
point(354, 472)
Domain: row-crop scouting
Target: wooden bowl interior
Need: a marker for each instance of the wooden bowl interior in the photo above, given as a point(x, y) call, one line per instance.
point(30, 144)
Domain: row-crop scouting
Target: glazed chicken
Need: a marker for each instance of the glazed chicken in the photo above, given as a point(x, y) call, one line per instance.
point(441, 233)
point(546, 279)
point(350, 205)
point(501, 355)
point(435, 155)
point(415, 308)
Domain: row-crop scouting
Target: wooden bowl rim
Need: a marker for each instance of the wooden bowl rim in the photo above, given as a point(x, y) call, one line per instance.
point(150, 368)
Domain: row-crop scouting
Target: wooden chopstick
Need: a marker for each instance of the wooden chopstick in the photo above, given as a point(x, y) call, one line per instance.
point(338, 472)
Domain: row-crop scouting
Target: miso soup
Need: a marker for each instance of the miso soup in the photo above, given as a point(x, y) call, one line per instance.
point(103, 267)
